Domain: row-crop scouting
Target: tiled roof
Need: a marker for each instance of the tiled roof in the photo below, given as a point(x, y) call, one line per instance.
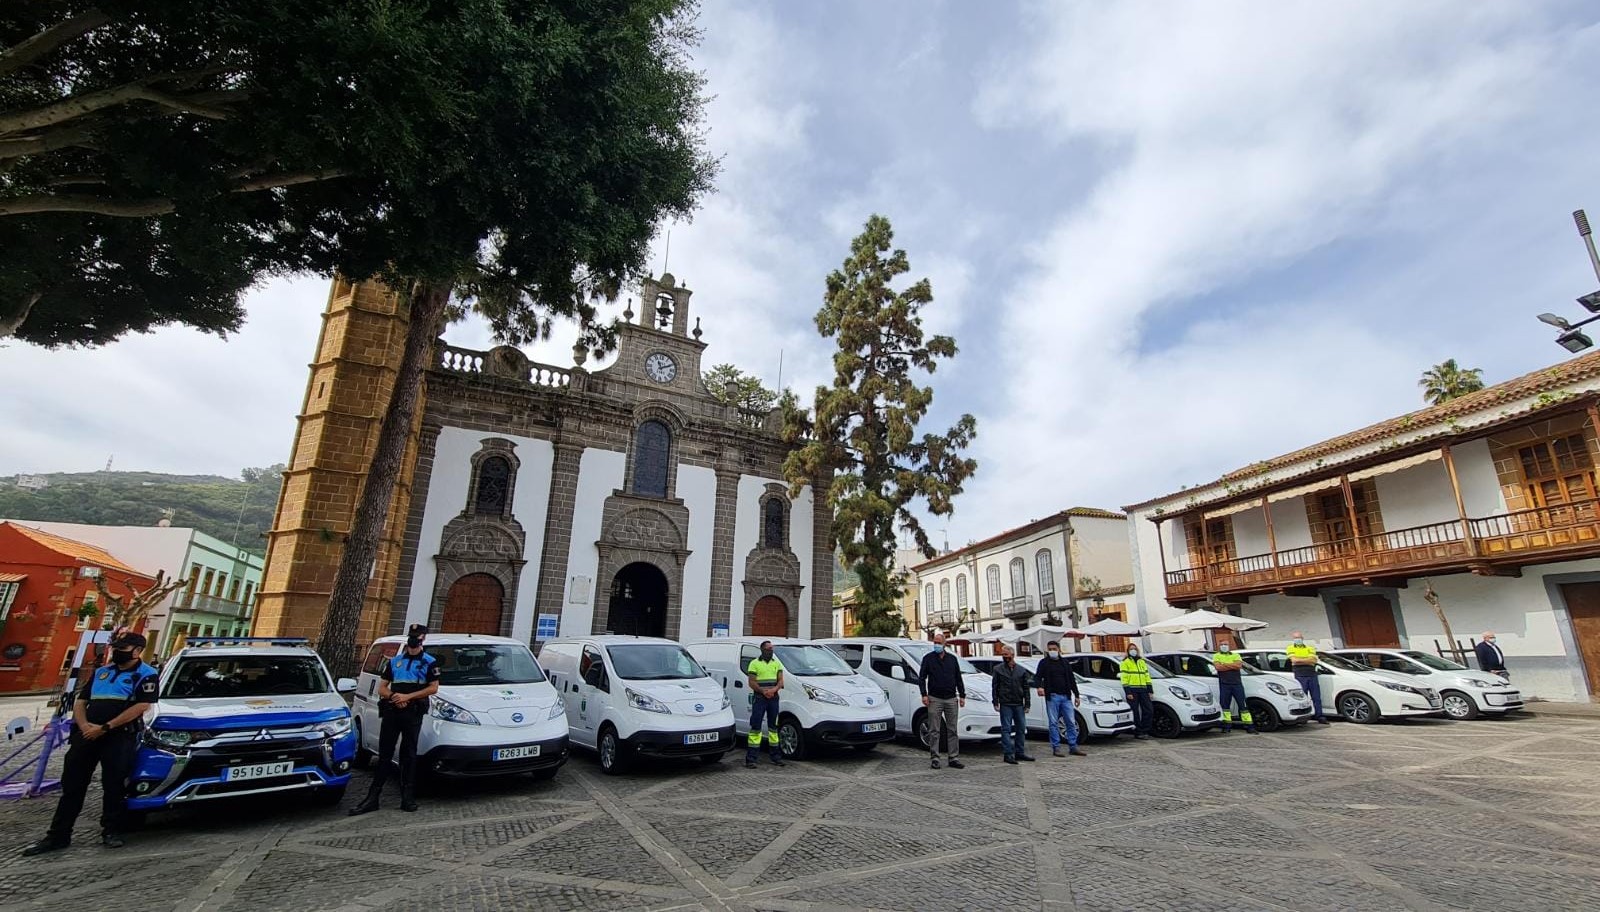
point(1052, 519)
point(12, 577)
point(1551, 379)
point(77, 550)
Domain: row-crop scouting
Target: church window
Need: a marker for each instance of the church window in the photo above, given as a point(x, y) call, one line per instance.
point(772, 523)
point(652, 448)
point(494, 484)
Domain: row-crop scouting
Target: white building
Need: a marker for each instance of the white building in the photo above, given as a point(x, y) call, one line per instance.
point(1072, 565)
point(1490, 499)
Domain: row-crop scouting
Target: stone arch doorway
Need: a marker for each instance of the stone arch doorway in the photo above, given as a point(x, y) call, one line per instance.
point(769, 617)
point(639, 601)
point(473, 605)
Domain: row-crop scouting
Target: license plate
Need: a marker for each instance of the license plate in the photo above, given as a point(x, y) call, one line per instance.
point(700, 738)
point(257, 771)
point(516, 753)
point(1125, 717)
point(870, 727)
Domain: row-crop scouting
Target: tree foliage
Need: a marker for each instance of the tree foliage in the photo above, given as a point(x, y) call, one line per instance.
point(859, 442)
point(731, 386)
point(1447, 380)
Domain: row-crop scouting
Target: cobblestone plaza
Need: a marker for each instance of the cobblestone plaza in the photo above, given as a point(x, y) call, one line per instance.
point(1424, 815)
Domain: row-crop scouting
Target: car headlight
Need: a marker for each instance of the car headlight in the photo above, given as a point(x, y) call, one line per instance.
point(333, 728)
point(558, 710)
point(825, 696)
point(646, 702)
point(440, 708)
point(726, 703)
point(1479, 682)
point(1392, 685)
point(1091, 698)
point(1277, 688)
point(1179, 692)
point(169, 739)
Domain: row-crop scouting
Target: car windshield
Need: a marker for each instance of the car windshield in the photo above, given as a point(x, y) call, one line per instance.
point(205, 677)
point(917, 650)
point(654, 662)
point(1433, 661)
point(811, 659)
point(1342, 663)
point(469, 664)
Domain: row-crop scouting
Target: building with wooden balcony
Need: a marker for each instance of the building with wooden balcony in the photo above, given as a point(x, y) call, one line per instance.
point(1072, 566)
point(1488, 502)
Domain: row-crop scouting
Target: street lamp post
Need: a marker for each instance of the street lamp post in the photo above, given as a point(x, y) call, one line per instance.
point(1572, 338)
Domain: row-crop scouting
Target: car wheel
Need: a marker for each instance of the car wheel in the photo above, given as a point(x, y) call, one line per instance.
point(328, 795)
point(1166, 724)
point(1266, 718)
point(1083, 727)
point(713, 759)
point(362, 759)
point(919, 725)
point(865, 748)
point(1358, 708)
point(1458, 705)
point(791, 738)
point(545, 774)
point(610, 751)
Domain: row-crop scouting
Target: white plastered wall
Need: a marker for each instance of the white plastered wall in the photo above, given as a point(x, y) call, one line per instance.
point(697, 488)
point(600, 472)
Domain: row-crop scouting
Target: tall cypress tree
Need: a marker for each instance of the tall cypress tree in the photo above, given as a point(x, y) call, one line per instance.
point(859, 444)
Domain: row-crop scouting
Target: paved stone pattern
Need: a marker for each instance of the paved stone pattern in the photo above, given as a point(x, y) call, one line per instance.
point(1427, 815)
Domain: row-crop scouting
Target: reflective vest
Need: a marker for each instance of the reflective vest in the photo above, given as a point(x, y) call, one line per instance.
point(1302, 657)
point(765, 671)
point(1134, 673)
point(1230, 667)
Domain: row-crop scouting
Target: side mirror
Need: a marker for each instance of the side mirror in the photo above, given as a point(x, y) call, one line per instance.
point(897, 672)
point(345, 685)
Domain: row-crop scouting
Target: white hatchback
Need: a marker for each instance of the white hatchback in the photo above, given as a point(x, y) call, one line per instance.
point(1464, 692)
point(1273, 704)
point(1108, 715)
point(893, 663)
point(495, 712)
point(1181, 703)
point(1354, 691)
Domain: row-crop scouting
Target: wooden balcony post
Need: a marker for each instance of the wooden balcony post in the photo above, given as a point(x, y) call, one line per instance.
point(1461, 505)
point(1205, 554)
point(1350, 512)
point(1161, 549)
point(1272, 537)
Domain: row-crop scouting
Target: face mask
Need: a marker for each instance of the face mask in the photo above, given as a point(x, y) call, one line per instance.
point(121, 656)
point(1055, 653)
point(937, 647)
point(1133, 653)
point(1299, 641)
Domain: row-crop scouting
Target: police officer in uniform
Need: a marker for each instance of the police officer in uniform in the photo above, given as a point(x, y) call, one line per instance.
point(107, 714)
point(765, 679)
point(409, 679)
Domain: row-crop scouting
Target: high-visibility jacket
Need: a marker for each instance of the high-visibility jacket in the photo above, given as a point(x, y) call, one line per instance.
point(1229, 667)
point(1134, 673)
point(1302, 658)
point(765, 671)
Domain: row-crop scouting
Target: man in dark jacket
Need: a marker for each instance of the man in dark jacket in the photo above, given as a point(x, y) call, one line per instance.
point(1012, 684)
point(1059, 687)
point(944, 693)
point(1490, 658)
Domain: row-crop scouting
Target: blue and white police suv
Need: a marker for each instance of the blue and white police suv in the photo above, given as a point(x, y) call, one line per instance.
point(244, 716)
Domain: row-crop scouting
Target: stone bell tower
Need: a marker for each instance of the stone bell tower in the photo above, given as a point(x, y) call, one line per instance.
point(352, 376)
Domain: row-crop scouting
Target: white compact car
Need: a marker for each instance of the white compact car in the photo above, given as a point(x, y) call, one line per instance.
point(628, 695)
point(1273, 703)
point(1181, 704)
point(1108, 711)
point(824, 702)
point(893, 663)
point(495, 712)
point(1354, 691)
point(1463, 692)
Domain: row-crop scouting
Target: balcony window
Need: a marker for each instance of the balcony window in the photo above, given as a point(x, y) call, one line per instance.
point(944, 596)
point(961, 592)
point(927, 597)
point(992, 579)
point(1217, 537)
point(1047, 575)
point(1019, 577)
point(1557, 472)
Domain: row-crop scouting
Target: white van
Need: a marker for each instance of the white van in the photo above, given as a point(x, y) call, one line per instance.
point(893, 662)
point(632, 695)
point(824, 701)
point(495, 712)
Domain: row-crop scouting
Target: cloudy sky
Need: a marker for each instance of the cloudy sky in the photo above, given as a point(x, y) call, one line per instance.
point(1170, 238)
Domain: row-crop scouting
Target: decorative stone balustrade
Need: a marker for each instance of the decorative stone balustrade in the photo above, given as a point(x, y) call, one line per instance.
point(504, 362)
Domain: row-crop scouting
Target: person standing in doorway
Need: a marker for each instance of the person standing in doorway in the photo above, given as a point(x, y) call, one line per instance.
point(1011, 698)
point(1059, 688)
point(1136, 685)
point(107, 717)
point(408, 681)
point(944, 693)
point(765, 677)
point(1490, 658)
point(1230, 686)
point(1303, 661)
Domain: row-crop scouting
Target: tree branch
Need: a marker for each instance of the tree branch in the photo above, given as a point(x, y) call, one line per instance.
point(19, 56)
point(144, 208)
point(80, 105)
point(286, 179)
point(10, 323)
point(46, 142)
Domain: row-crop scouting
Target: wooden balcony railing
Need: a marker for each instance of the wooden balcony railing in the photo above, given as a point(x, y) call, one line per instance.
point(1512, 539)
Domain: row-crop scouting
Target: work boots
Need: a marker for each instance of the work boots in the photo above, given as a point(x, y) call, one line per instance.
point(408, 795)
point(369, 803)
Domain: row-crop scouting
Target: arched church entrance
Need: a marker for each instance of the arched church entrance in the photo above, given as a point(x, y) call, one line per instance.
point(769, 617)
point(639, 601)
point(473, 605)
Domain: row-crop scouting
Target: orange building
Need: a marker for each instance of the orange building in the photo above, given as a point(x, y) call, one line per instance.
point(48, 597)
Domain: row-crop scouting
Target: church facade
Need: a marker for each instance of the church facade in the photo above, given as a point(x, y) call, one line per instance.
point(541, 500)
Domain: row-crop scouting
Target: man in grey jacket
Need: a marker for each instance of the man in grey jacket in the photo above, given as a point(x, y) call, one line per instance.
point(1012, 687)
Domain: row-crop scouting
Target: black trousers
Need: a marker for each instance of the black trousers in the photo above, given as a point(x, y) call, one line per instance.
point(400, 729)
point(113, 754)
point(1144, 712)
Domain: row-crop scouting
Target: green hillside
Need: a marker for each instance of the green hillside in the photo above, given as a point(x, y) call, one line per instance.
point(233, 509)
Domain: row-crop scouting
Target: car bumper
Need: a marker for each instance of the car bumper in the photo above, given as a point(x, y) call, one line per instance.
point(1197, 719)
point(161, 779)
point(1500, 701)
point(670, 743)
point(1109, 721)
point(478, 760)
point(852, 732)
